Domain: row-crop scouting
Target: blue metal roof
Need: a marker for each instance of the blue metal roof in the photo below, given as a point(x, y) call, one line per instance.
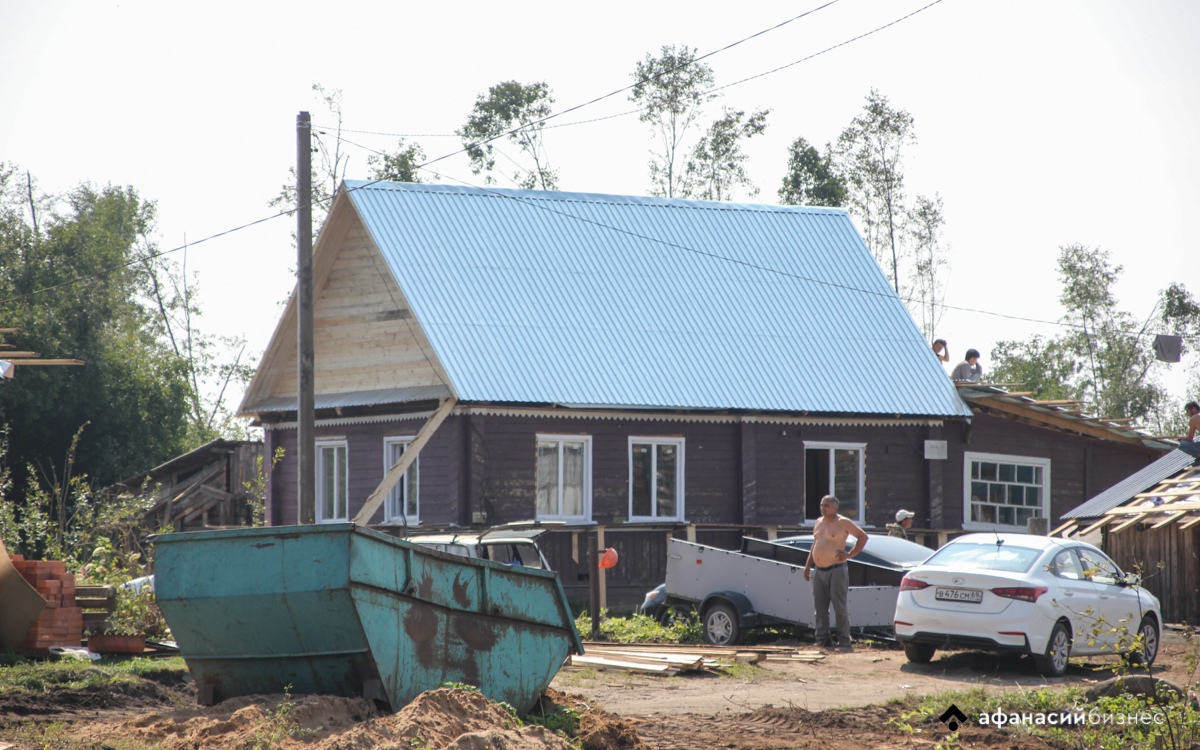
point(546, 297)
point(1140, 481)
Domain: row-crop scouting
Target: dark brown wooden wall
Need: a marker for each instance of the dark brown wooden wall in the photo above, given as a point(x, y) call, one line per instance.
point(481, 469)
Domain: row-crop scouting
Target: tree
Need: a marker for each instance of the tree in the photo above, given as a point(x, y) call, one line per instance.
point(672, 90)
point(811, 179)
point(924, 224)
point(400, 166)
point(717, 163)
point(72, 288)
point(328, 169)
point(513, 111)
point(1104, 357)
point(870, 154)
point(1044, 366)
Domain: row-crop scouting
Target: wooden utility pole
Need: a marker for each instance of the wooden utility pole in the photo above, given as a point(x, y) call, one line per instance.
point(305, 414)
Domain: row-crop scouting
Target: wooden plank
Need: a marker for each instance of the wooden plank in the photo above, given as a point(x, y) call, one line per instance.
point(1125, 510)
point(1048, 417)
point(1190, 522)
point(1126, 524)
point(406, 459)
point(1097, 525)
point(1063, 529)
point(630, 666)
point(1170, 517)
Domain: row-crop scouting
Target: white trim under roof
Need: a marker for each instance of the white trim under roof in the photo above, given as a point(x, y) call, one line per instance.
point(635, 416)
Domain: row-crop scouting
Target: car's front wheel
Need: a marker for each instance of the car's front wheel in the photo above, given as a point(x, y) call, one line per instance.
point(1053, 663)
point(1147, 652)
point(919, 653)
point(721, 625)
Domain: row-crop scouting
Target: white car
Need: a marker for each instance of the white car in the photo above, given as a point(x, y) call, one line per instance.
point(1025, 594)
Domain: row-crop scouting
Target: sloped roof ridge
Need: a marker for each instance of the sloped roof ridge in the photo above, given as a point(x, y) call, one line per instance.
point(582, 197)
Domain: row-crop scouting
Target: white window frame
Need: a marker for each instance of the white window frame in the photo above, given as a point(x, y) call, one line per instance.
point(860, 501)
point(679, 475)
point(969, 458)
point(318, 449)
point(397, 497)
point(586, 515)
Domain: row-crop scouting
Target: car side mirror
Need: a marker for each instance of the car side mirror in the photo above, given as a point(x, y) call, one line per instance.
point(1131, 579)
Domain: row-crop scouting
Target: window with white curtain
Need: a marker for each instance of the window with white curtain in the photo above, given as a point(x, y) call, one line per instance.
point(564, 477)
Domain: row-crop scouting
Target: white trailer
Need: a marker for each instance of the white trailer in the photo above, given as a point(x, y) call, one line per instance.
point(733, 591)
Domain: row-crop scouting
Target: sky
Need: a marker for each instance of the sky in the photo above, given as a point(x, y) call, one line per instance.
point(1040, 123)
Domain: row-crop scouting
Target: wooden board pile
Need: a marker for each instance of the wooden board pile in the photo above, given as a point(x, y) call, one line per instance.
point(61, 622)
point(668, 660)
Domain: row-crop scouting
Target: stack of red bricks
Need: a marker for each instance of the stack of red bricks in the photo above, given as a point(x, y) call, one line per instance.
point(61, 622)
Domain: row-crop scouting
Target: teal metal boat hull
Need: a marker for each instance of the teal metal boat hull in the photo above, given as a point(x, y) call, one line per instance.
point(338, 609)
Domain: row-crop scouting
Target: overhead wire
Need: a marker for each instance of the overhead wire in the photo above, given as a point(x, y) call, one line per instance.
point(287, 212)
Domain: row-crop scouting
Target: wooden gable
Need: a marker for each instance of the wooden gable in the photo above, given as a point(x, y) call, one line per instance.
point(364, 334)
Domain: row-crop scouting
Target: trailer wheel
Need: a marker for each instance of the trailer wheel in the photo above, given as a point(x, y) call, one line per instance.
point(721, 625)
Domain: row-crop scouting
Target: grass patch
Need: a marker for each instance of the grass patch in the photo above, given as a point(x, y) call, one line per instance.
point(1173, 725)
point(642, 629)
point(37, 676)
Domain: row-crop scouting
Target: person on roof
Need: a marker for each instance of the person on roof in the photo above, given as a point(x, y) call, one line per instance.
point(904, 519)
point(969, 370)
point(1189, 444)
point(942, 350)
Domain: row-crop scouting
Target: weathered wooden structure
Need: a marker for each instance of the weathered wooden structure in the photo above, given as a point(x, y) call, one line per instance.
point(644, 368)
point(211, 486)
point(1157, 533)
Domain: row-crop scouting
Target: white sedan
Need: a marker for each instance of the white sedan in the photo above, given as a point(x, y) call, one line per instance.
point(1019, 593)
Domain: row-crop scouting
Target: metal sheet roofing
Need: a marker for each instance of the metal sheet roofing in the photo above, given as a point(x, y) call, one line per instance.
point(1140, 481)
point(545, 297)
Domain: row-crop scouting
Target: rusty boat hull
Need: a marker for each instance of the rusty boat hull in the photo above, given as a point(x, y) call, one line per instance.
point(338, 609)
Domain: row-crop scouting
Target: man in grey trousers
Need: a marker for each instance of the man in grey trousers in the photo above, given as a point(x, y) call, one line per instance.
point(831, 580)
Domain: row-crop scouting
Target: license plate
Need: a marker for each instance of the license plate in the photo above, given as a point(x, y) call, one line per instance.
point(971, 596)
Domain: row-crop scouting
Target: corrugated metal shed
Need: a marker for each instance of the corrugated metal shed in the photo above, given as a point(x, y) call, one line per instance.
point(1124, 491)
point(545, 297)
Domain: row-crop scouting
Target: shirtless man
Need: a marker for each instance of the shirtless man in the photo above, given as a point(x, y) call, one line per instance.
point(831, 582)
point(1189, 444)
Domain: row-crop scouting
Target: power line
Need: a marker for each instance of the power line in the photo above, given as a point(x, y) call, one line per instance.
point(757, 267)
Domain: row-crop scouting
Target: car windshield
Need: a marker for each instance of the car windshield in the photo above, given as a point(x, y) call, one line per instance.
point(966, 556)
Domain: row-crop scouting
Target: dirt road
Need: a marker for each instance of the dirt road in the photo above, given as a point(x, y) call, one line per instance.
point(841, 702)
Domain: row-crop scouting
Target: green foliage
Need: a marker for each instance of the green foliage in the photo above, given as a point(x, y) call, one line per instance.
point(256, 488)
point(1104, 358)
point(74, 283)
point(672, 90)
point(642, 629)
point(399, 166)
point(565, 720)
point(281, 725)
point(513, 111)
point(718, 165)
point(1044, 366)
point(811, 179)
point(924, 226)
point(870, 156)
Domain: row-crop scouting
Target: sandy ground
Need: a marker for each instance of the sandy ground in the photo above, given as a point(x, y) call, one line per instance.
point(838, 703)
point(872, 674)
